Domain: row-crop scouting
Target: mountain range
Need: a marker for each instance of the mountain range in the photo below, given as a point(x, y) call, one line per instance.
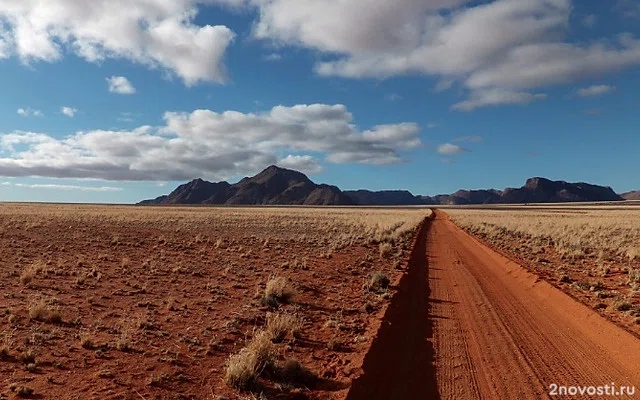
point(280, 186)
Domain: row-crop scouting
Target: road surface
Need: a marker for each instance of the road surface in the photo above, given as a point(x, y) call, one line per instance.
point(467, 323)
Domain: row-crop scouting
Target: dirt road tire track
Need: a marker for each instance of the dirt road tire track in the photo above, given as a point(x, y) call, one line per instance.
point(399, 364)
point(468, 323)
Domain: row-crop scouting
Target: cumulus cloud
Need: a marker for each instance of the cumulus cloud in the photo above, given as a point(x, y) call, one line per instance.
point(156, 33)
point(69, 111)
point(208, 144)
point(68, 187)
point(449, 149)
point(595, 90)
point(28, 112)
point(273, 57)
point(120, 85)
point(521, 47)
point(494, 97)
point(306, 164)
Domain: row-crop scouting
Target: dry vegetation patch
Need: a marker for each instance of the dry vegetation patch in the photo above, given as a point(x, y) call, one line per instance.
point(164, 298)
point(590, 252)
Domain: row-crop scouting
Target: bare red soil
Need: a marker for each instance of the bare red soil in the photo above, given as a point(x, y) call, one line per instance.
point(461, 321)
point(482, 327)
point(152, 308)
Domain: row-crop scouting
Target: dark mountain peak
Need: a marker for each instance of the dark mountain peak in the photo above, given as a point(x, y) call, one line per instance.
point(274, 172)
point(276, 185)
point(194, 192)
point(539, 183)
point(542, 190)
point(383, 197)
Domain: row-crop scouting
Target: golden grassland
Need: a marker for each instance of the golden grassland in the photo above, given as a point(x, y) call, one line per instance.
point(121, 283)
point(571, 232)
point(341, 226)
point(592, 253)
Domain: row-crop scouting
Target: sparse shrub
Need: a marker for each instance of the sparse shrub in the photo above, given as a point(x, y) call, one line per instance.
point(244, 368)
point(87, 343)
point(23, 391)
point(27, 275)
point(41, 312)
point(385, 250)
point(124, 344)
point(5, 349)
point(281, 325)
point(604, 270)
point(378, 283)
point(294, 373)
point(621, 304)
point(564, 278)
point(333, 344)
point(369, 307)
point(634, 276)
point(279, 290)
point(31, 367)
point(27, 357)
point(158, 380)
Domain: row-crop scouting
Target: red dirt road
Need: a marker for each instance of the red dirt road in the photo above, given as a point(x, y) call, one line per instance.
point(467, 323)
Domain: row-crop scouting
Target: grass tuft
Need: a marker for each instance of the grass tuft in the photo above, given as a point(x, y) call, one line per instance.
point(279, 326)
point(244, 368)
point(279, 290)
point(378, 283)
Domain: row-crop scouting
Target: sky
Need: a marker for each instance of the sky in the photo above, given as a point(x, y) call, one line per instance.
point(122, 100)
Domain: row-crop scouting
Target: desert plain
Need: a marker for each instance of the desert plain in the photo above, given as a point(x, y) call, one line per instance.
point(143, 302)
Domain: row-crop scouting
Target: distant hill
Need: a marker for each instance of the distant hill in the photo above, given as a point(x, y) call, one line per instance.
point(541, 190)
point(635, 195)
point(272, 186)
point(383, 198)
point(280, 186)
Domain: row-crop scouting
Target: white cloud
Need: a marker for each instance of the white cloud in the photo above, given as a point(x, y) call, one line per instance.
point(120, 85)
point(69, 111)
point(502, 48)
point(208, 144)
point(449, 149)
point(69, 187)
point(494, 97)
point(305, 164)
point(156, 33)
point(28, 112)
point(595, 90)
point(273, 57)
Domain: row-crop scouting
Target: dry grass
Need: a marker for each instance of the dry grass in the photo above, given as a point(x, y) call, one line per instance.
point(385, 250)
point(244, 368)
point(42, 312)
point(294, 373)
point(572, 233)
point(378, 283)
point(279, 290)
point(134, 250)
point(279, 326)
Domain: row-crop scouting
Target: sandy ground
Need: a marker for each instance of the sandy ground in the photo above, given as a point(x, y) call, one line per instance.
point(460, 321)
point(152, 303)
point(468, 323)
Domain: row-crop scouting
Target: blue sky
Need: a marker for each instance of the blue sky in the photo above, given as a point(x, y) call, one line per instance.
point(123, 100)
